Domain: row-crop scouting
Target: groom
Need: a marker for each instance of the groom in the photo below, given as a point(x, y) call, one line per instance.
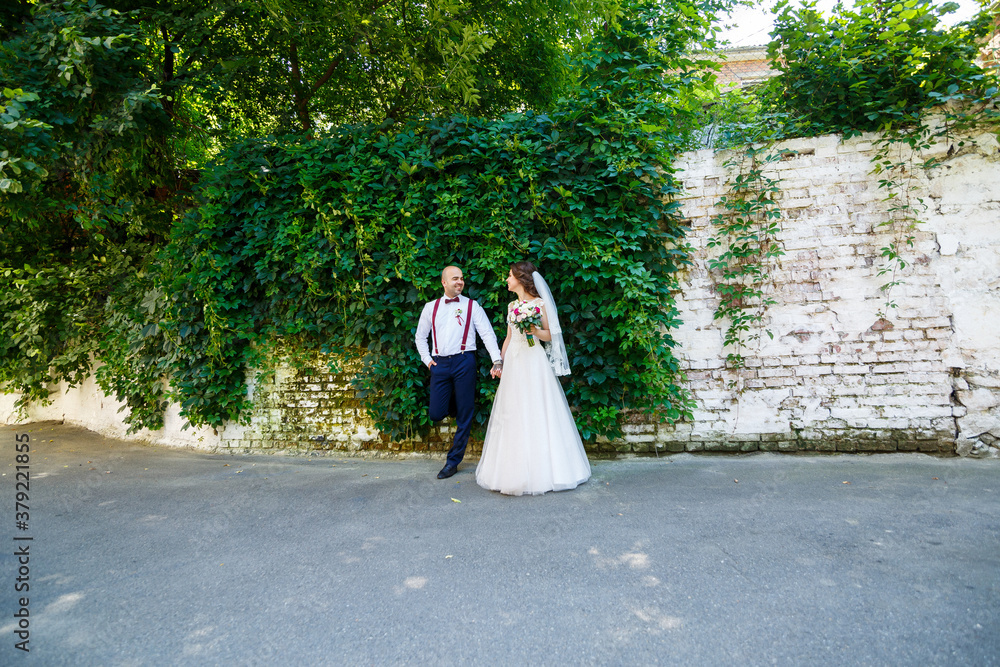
point(448, 320)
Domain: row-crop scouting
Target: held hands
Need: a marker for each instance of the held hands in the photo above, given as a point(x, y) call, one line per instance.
point(494, 372)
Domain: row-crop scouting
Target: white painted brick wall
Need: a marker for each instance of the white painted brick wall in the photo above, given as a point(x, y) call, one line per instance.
point(855, 382)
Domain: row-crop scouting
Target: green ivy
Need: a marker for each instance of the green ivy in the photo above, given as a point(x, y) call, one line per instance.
point(48, 338)
point(873, 68)
point(134, 351)
point(333, 243)
point(749, 250)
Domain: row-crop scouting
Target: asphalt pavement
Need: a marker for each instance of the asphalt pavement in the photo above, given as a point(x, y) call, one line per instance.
point(142, 555)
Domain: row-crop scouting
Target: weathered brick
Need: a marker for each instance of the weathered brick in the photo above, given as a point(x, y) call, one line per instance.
point(851, 369)
point(802, 371)
point(845, 384)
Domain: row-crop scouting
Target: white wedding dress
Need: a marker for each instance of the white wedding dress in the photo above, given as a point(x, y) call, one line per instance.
point(532, 444)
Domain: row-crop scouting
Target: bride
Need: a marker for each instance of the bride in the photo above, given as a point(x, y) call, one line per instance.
point(532, 444)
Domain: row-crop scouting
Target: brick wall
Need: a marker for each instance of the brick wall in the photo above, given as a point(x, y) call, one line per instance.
point(835, 377)
point(313, 409)
point(308, 408)
point(743, 66)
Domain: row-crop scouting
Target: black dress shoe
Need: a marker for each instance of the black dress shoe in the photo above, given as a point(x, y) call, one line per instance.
point(447, 472)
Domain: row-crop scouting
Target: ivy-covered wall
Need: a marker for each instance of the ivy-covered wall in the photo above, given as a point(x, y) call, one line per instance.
point(835, 377)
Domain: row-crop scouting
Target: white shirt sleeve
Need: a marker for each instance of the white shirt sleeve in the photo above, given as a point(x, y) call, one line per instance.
point(423, 331)
point(485, 331)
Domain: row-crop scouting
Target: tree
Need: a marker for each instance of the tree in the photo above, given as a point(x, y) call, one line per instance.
point(284, 65)
point(96, 188)
point(331, 242)
point(109, 110)
point(875, 67)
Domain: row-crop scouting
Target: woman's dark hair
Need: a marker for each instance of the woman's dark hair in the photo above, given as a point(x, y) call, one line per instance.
point(522, 271)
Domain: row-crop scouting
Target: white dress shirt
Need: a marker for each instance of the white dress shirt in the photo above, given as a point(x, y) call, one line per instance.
point(449, 327)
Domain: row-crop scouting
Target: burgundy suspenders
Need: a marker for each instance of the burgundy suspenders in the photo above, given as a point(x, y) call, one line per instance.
point(465, 334)
point(434, 326)
point(468, 321)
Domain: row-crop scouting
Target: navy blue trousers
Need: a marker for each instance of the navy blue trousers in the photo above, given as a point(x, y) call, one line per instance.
point(453, 393)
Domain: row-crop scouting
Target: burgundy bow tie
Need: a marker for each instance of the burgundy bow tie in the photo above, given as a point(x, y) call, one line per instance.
point(455, 300)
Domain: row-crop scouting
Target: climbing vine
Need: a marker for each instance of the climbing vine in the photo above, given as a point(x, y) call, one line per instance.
point(895, 164)
point(332, 243)
point(747, 236)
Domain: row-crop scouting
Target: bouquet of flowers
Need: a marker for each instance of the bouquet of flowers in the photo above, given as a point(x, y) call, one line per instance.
point(525, 316)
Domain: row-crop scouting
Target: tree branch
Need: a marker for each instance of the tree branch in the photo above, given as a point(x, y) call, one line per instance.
point(320, 82)
point(333, 67)
point(301, 100)
point(211, 32)
point(168, 69)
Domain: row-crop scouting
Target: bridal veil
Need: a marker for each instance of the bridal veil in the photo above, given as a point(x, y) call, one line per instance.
point(556, 349)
